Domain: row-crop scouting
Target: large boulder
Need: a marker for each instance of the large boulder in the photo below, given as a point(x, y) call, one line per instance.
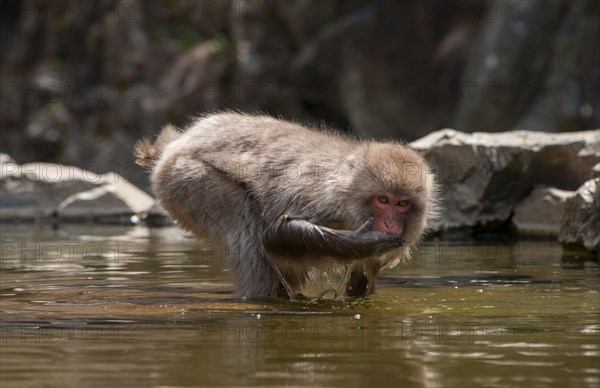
point(42, 191)
point(483, 176)
point(540, 213)
point(580, 223)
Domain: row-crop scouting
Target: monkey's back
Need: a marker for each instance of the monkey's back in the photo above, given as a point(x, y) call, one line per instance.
point(259, 139)
point(282, 164)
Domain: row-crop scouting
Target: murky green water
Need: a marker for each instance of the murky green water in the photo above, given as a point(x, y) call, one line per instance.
point(110, 306)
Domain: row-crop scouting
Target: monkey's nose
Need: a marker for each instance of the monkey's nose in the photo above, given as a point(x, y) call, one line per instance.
point(390, 222)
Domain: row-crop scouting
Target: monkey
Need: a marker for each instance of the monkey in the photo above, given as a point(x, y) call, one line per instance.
point(281, 196)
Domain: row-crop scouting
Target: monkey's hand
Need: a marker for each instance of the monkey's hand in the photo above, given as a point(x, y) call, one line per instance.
point(297, 238)
point(379, 242)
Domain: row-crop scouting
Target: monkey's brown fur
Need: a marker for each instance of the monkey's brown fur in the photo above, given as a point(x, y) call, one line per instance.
point(280, 196)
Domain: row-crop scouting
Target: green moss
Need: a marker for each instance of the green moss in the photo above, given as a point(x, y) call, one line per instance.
point(221, 45)
point(53, 63)
point(48, 108)
point(187, 36)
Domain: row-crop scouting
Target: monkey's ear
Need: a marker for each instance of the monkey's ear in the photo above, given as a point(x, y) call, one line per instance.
point(144, 151)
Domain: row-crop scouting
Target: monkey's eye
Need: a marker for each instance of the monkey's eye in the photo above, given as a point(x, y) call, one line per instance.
point(383, 199)
point(403, 203)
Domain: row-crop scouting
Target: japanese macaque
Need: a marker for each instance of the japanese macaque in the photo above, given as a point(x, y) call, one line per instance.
point(282, 197)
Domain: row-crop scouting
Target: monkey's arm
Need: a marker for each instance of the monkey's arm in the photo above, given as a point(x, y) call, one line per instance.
point(300, 238)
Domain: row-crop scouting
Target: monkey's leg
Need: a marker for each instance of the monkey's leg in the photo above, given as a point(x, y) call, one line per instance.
point(214, 207)
point(299, 238)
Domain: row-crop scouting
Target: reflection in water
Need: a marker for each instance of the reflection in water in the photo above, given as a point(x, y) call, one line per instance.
point(108, 306)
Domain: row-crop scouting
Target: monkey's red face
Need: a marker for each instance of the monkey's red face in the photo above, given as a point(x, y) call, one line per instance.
point(389, 213)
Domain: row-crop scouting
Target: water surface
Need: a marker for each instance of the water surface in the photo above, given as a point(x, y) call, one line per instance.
point(114, 306)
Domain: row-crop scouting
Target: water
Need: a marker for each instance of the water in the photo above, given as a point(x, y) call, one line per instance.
point(115, 306)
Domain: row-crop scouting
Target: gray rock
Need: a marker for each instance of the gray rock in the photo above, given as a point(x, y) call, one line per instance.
point(580, 223)
point(541, 212)
point(483, 176)
point(39, 191)
point(4, 158)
